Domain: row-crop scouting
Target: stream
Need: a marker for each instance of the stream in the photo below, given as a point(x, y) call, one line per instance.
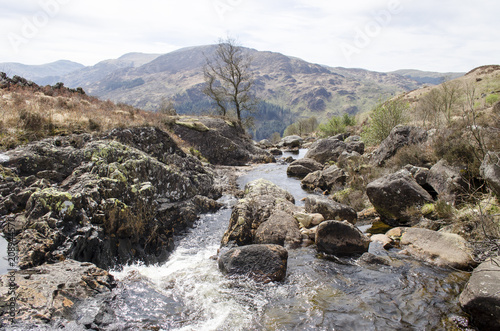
point(188, 292)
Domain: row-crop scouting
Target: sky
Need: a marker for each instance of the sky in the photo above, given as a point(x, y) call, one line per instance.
point(379, 35)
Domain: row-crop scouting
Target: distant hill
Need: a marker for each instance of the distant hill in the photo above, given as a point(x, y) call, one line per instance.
point(427, 77)
point(44, 74)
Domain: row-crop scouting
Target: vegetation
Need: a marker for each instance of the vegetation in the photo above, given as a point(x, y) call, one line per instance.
point(336, 125)
point(228, 80)
point(302, 127)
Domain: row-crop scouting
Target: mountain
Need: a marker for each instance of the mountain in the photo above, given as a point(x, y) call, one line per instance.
point(44, 74)
point(427, 77)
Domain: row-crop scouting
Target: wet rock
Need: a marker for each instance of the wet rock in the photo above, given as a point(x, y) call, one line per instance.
point(399, 137)
point(447, 181)
point(261, 199)
point(341, 239)
point(280, 229)
point(490, 170)
point(331, 210)
point(53, 291)
point(326, 180)
point(325, 150)
point(385, 240)
point(439, 248)
point(292, 141)
point(220, 141)
point(263, 263)
point(481, 296)
point(391, 195)
point(302, 167)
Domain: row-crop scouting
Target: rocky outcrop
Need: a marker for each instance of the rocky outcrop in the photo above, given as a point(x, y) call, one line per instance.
point(481, 296)
point(355, 144)
point(490, 170)
point(302, 167)
point(326, 180)
point(325, 150)
point(53, 291)
point(220, 141)
point(340, 239)
point(399, 137)
point(263, 263)
point(391, 195)
point(103, 201)
point(291, 141)
point(280, 229)
point(262, 198)
point(331, 210)
point(447, 181)
point(438, 248)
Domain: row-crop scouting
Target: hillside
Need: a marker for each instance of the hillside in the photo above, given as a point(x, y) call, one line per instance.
point(427, 77)
point(49, 73)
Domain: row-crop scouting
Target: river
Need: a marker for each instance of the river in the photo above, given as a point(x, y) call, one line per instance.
point(188, 292)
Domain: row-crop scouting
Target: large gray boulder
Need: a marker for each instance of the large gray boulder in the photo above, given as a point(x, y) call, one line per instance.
point(355, 144)
point(490, 170)
point(302, 167)
point(53, 291)
point(103, 201)
point(341, 239)
point(391, 195)
point(447, 181)
point(280, 229)
point(325, 150)
point(292, 141)
point(328, 179)
point(331, 210)
point(263, 263)
point(399, 137)
point(262, 198)
point(481, 296)
point(438, 248)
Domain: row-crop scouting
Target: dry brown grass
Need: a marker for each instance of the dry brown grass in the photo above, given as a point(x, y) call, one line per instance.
point(26, 116)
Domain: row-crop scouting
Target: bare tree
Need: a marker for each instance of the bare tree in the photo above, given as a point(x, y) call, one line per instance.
point(228, 79)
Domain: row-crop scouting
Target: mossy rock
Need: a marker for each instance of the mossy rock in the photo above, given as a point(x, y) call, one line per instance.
point(195, 125)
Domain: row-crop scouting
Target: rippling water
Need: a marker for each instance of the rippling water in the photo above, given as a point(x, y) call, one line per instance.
point(189, 293)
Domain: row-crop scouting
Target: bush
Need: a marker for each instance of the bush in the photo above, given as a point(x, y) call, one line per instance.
point(31, 121)
point(491, 99)
point(336, 125)
point(383, 118)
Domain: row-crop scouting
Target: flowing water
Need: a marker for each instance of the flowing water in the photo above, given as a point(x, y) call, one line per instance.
point(189, 293)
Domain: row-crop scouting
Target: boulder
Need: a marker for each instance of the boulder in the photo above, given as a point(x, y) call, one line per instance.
point(265, 263)
point(481, 296)
point(219, 141)
point(399, 137)
point(325, 150)
point(490, 170)
point(308, 220)
point(103, 201)
point(280, 229)
point(341, 239)
point(447, 181)
point(326, 180)
point(383, 239)
point(261, 199)
point(292, 141)
point(331, 210)
point(355, 144)
point(391, 195)
point(54, 291)
point(302, 167)
point(419, 173)
point(438, 248)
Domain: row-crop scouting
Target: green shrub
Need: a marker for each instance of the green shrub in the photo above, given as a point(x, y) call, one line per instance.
point(383, 118)
point(336, 125)
point(491, 99)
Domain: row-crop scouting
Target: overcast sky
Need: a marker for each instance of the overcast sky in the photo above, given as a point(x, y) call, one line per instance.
point(380, 35)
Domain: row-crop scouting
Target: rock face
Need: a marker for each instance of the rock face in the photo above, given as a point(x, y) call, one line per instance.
point(262, 199)
point(399, 137)
point(490, 170)
point(103, 201)
point(220, 141)
point(331, 210)
point(302, 167)
point(325, 150)
point(481, 296)
point(391, 195)
point(326, 180)
point(447, 181)
point(264, 263)
point(55, 291)
point(280, 229)
point(442, 249)
point(340, 238)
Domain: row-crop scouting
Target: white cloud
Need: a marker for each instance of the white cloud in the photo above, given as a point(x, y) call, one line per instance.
point(429, 35)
